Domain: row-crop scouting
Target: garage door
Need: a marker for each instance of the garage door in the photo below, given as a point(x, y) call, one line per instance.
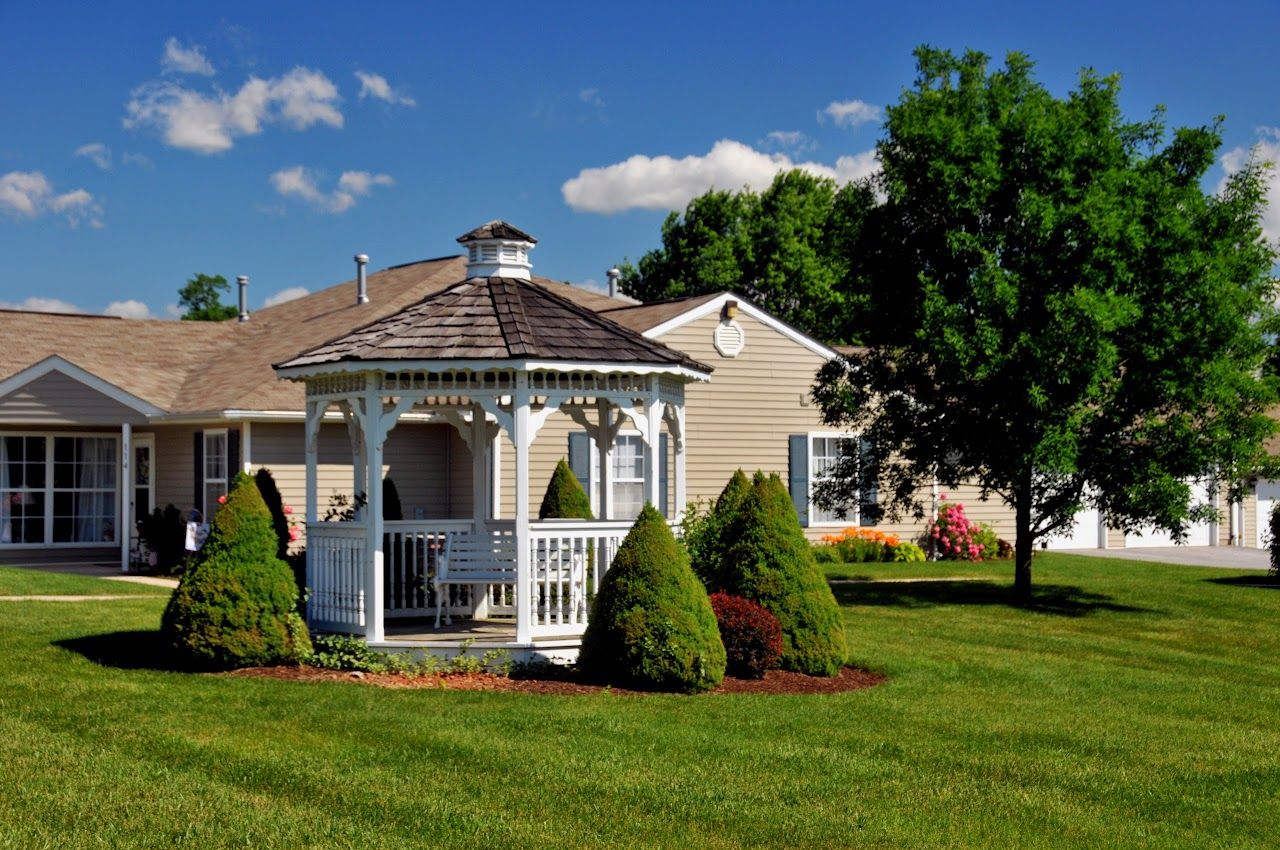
point(1083, 534)
point(1268, 496)
point(1197, 535)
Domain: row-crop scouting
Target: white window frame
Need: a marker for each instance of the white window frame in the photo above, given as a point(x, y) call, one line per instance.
point(854, 516)
point(205, 478)
point(594, 472)
point(49, 436)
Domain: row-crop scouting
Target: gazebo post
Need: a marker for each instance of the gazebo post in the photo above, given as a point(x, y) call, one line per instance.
point(653, 431)
point(479, 497)
point(604, 449)
point(374, 434)
point(520, 438)
point(675, 424)
point(311, 432)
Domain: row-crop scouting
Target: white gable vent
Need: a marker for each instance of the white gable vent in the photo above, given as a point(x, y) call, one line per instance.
point(729, 338)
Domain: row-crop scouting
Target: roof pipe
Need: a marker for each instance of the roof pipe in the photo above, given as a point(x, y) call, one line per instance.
point(362, 282)
point(613, 274)
point(243, 282)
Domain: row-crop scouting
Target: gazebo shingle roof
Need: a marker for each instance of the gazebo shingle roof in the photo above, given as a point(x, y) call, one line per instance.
point(496, 229)
point(495, 318)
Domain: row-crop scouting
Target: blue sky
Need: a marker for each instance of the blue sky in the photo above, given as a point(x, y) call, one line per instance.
point(141, 144)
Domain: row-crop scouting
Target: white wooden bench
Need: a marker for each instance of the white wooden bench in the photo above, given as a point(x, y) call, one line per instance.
point(473, 559)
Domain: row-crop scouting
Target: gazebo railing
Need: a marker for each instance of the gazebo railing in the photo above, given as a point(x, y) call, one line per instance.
point(568, 559)
point(335, 575)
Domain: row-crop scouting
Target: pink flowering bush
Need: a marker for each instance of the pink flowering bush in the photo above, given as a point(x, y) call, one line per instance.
point(958, 538)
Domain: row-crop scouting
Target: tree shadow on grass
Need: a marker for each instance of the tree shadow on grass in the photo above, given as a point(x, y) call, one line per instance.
point(1058, 599)
point(1260, 581)
point(134, 650)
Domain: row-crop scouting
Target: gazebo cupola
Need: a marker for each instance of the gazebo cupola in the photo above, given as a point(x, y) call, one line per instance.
point(496, 249)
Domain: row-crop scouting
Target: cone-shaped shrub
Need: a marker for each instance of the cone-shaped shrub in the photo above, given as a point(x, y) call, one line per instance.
point(275, 504)
point(565, 498)
point(391, 508)
point(237, 604)
point(769, 561)
point(652, 625)
point(707, 539)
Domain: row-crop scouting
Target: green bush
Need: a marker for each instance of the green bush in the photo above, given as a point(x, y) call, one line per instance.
point(907, 552)
point(704, 531)
point(236, 606)
point(565, 498)
point(275, 504)
point(770, 562)
point(651, 625)
point(391, 507)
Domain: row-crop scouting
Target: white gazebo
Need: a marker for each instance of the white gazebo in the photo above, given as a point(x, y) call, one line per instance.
point(494, 354)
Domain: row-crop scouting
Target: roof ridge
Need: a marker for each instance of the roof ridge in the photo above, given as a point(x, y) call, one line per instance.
point(642, 304)
point(508, 307)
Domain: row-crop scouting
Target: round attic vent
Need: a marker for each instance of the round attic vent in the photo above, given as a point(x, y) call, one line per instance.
point(729, 339)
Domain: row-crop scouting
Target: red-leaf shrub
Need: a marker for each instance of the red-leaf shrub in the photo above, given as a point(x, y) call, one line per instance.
point(752, 636)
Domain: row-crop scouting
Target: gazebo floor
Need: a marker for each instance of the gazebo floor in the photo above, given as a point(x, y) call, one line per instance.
point(474, 637)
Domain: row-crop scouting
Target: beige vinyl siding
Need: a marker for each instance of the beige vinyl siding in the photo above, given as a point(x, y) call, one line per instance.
point(992, 512)
point(416, 458)
point(56, 399)
point(1250, 532)
point(175, 466)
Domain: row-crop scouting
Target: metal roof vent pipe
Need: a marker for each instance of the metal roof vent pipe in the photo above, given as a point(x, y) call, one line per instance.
point(362, 282)
point(243, 282)
point(613, 274)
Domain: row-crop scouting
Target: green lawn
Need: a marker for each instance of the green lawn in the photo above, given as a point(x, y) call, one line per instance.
point(17, 581)
point(1134, 706)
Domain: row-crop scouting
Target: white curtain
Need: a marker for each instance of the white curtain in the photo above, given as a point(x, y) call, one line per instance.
point(6, 498)
point(95, 510)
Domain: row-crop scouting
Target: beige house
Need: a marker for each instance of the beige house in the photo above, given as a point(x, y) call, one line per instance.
point(101, 418)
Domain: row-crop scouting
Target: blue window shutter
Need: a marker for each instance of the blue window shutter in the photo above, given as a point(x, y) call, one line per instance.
point(198, 501)
point(869, 493)
point(580, 458)
point(662, 475)
point(233, 454)
point(798, 477)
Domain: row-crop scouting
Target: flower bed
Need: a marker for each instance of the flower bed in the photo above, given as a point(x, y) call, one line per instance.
point(860, 545)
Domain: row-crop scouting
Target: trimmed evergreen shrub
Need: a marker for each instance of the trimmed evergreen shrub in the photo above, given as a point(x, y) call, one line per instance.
point(769, 561)
point(705, 534)
point(391, 508)
point(651, 625)
point(236, 606)
point(565, 498)
point(275, 504)
point(752, 636)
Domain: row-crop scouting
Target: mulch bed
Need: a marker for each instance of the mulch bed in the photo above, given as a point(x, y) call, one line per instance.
point(774, 682)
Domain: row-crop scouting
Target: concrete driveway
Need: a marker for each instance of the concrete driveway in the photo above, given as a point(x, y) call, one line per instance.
point(1226, 557)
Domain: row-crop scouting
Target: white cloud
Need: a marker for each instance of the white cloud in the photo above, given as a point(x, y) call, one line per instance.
point(210, 123)
point(140, 160)
point(285, 295)
point(128, 309)
point(97, 153)
point(792, 140)
point(666, 183)
point(376, 86)
point(28, 194)
point(302, 183)
point(591, 97)
point(185, 60)
point(36, 304)
point(850, 113)
point(173, 311)
point(1267, 150)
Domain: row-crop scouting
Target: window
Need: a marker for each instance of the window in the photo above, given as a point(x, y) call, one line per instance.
point(58, 489)
point(215, 470)
point(22, 489)
point(824, 451)
point(627, 473)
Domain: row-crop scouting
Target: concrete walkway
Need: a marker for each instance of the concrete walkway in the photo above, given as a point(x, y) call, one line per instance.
point(1224, 557)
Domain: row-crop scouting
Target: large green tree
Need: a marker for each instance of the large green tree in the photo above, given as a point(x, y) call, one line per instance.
point(785, 249)
point(202, 299)
point(1065, 315)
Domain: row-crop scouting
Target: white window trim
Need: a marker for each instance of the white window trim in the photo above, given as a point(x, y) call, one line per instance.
point(49, 489)
point(593, 469)
point(855, 515)
point(205, 480)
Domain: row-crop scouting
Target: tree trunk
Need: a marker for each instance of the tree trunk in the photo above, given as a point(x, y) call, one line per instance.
point(1023, 542)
